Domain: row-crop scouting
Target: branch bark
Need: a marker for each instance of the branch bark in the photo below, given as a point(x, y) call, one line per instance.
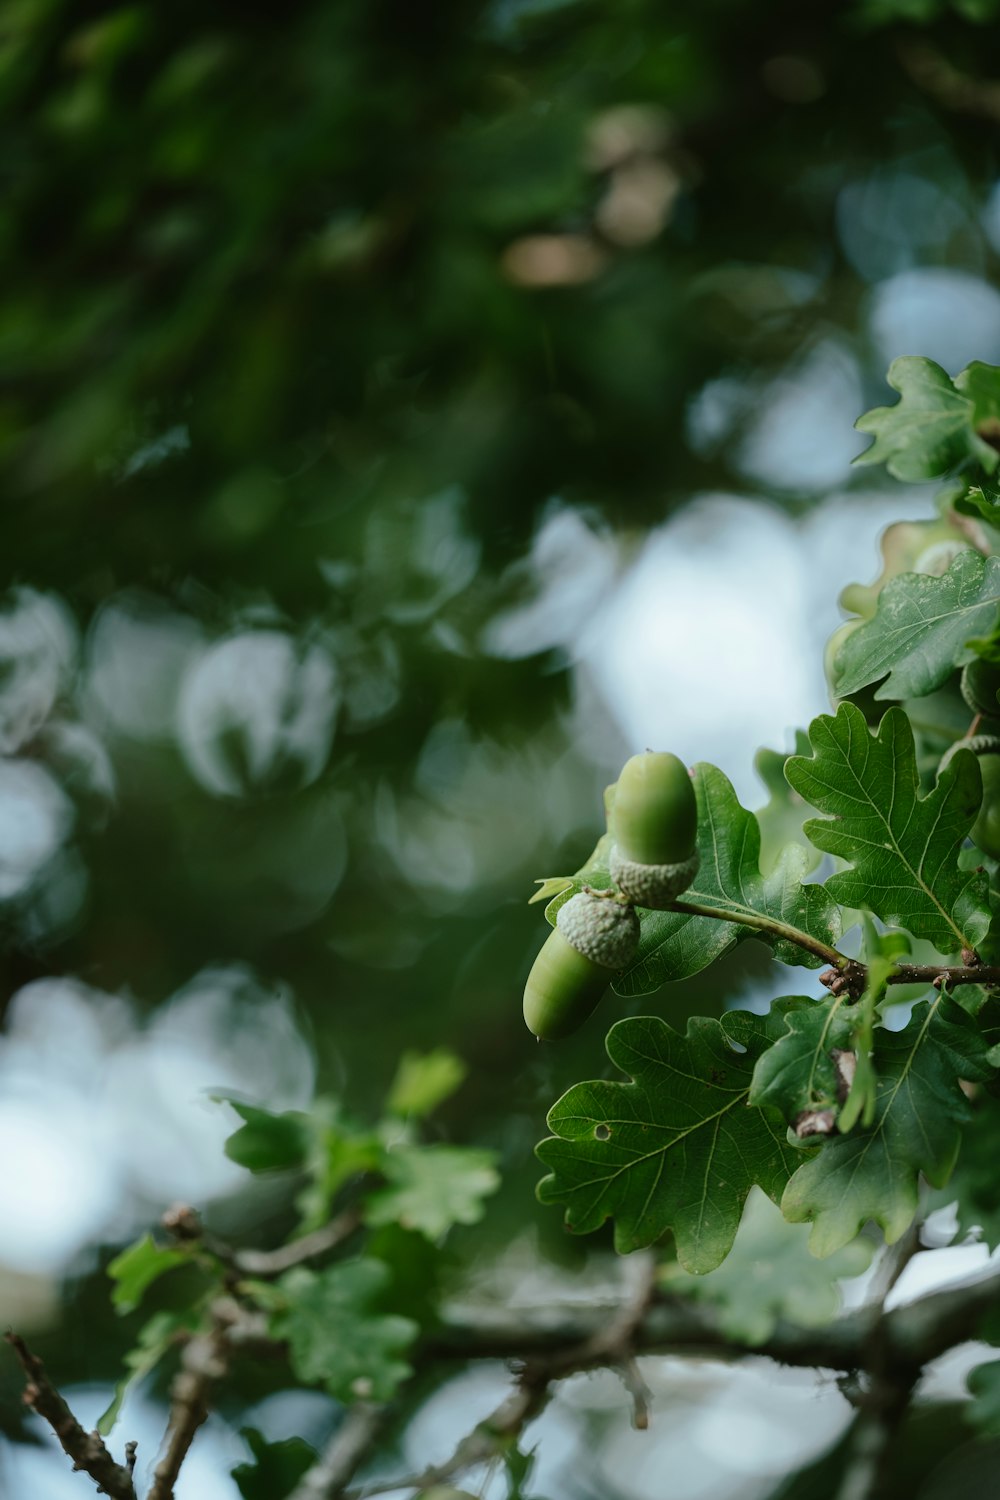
point(86, 1449)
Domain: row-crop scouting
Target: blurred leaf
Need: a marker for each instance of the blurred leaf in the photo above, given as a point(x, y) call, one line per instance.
point(267, 1142)
point(972, 1186)
point(782, 816)
point(676, 1148)
point(770, 1274)
point(902, 848)
point(430, 1188)
point(339, 1150)
point(674, 945)
point(337, 1336)
point(921, 630)
point(984, 1387)
point(276, 1468)
point(423, 1081)
point(931, 429)
point(137, 1267)
point(156, 1339)
point(873, 1173)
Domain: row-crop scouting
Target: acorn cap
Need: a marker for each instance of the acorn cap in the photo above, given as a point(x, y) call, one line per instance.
point(652, 886)
point(604, 930)
point(655, 816)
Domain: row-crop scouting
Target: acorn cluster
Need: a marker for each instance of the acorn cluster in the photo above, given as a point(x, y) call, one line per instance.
point(654, 824)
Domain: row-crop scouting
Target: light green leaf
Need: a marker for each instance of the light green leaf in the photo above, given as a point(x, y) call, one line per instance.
point(430, 1188)
point(423, 1081)
point(873, 1174)
point(339, 1150)
point(137, 1267)
point(902, 848)
point(674, 945)
point(921, 629)
point(770, 1275)
point(677, 1148)
point(337, 1337)
point(782, 816)
point(155, 1340)
point(931, 429)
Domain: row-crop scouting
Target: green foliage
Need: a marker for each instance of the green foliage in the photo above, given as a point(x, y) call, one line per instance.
point(921, 631)
point(902, 848)
point(423, 1081)
point(782, 816)
point(984, 1387)
point(138, 1267)
point(276, 1468)
point(770, 1274)
point(336, 1335)
point(675, 945)
point(156, 1338)
point(431, 1188)
point(873, 1173)
point(676, 1148)
point(933, 426)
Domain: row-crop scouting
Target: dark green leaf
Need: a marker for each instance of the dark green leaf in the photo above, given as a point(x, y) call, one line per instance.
point(336, 1335)
point(137, 1267)
point(902, 848)
point(931, 429)
point(430, 1188)
point(276, 1468)
point(984, 1387)
point(267, 1142)
point(873, 1174)
point(798, 1075)
point(678, 1147)
point(921, 629)
point(973, 1185)
point(674, 945)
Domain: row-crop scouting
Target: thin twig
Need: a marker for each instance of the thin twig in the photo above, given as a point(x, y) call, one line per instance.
point(86, 1449)
point(184, 1224)
point(342, 1455)
point(611, 1343)
point(203, 1363)
point(265, 1263)
point(761, 923)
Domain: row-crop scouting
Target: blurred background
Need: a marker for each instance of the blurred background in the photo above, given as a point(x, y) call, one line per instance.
point(407, 413)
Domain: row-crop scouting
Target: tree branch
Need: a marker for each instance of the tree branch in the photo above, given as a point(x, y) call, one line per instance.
point(342, 1455)
point(86, 1449)
point(204, 1362)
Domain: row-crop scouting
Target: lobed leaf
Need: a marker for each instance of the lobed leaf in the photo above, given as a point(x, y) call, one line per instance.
point(902, 849)
point(337, 1337)
point(137, 1267)
point(932, 427)
point(872, 1174)
point(676, 1148)
point(921, 630)
point(430, 1188)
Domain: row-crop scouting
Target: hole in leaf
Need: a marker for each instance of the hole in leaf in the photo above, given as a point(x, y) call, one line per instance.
point(602, 1132)
point(735, 1046)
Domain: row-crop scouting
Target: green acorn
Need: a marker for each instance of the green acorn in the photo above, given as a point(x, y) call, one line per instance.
point(655, 824)
point(594, 936)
